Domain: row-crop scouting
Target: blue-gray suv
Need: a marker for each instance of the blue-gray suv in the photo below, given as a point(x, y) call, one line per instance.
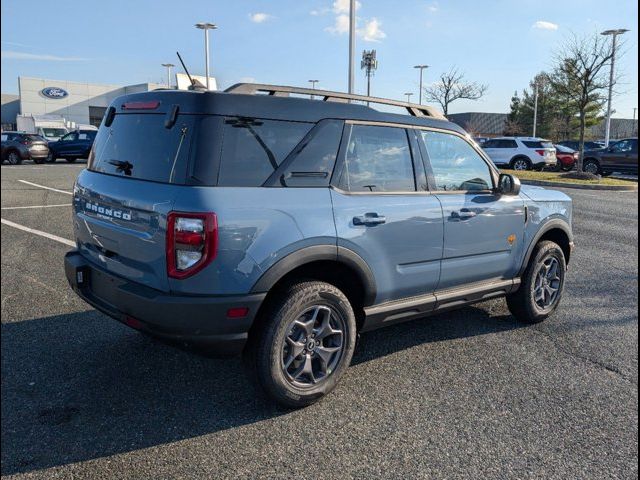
point(257, 221)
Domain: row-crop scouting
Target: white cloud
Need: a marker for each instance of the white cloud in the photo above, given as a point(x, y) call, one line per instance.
point(340, 26)
point(260, 17)
point(11, 55)
point(372, 31)
point(544, 25)
point(248, 80)
point(433, 7)
point(343, 6)
point(315, 13)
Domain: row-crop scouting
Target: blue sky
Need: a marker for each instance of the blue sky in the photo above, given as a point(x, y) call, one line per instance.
point(500, 43)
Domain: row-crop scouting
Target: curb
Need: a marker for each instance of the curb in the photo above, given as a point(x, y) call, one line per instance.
point(615, 188)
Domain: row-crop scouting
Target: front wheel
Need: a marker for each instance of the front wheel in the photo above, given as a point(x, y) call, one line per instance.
point(305, 344)
point(542, 285)
point(51, 158)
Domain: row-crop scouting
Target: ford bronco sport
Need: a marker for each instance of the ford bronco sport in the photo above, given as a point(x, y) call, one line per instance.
point(256, 221)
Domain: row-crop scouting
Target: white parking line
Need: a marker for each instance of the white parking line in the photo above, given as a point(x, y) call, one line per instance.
point(45, 187)
point(38, 232)
point(37, 206)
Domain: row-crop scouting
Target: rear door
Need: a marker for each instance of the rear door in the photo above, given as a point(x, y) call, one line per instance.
point(122, 200)
point(501, 151)
point(383, 211)
point(483, 230)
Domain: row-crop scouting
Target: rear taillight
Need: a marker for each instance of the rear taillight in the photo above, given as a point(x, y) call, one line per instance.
point(542, 153)
point(192, 242)
point(576, 155)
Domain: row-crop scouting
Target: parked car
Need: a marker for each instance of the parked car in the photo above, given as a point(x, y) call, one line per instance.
point(282, 227)
point(621, 156)
point(521, 153)
point(480, 140)
point(567, 157)
point(575, 145)
point(72, 146)
point(19, 146)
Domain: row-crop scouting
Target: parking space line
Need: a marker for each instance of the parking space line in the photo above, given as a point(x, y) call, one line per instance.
point(38, 232)
point(45, 187)
point(37, 206)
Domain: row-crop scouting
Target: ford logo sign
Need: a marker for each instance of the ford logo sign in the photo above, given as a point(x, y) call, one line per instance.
point(54, 92)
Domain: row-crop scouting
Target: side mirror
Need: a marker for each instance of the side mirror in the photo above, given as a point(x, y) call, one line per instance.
point(508, 184)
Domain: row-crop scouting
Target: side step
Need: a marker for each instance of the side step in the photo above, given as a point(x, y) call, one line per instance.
point(406, 309)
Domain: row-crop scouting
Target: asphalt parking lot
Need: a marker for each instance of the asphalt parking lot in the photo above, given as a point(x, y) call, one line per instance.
point(470, 394)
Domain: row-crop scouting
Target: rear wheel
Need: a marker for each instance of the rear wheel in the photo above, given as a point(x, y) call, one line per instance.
point(13, 158)
point(305, 344)
point(591, 165)
point(51, 158)
point(542, 284)
point(520, 164)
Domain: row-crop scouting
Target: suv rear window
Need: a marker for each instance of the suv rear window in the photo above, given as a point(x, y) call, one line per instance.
point(139, 146)
point(537, 144)
point(252, 149)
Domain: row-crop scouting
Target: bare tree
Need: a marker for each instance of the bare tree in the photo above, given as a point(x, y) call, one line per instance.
point(452, 86)
point(580, 77)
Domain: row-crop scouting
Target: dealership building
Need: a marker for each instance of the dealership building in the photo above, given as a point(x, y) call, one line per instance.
point(76, 102)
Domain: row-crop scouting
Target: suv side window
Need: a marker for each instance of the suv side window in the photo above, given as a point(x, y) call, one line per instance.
point(378, 159)
point(456, 165)
point(622, 146)
point(252, 149)
point(69, 137)
point(4, 137)
point(315, 157)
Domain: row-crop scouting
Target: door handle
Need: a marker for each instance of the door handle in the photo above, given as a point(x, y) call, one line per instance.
point(369, 219)
point(463, 214)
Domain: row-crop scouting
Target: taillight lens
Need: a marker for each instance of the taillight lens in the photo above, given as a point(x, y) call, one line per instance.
point(576, 155)
point(192, 242)
point(541, 152)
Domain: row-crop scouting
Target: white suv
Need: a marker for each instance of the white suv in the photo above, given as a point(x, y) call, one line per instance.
point(521, 153)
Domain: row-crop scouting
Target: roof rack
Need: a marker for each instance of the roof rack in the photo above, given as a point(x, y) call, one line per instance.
point(328, 96)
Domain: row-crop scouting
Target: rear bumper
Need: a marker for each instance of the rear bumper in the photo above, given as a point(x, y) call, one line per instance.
point(196, 320)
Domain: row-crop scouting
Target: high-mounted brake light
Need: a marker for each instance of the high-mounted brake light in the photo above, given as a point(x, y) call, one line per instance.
point(149, 105)
point(192, 242)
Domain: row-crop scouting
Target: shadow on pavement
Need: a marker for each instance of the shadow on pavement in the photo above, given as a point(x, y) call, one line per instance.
point(81, 386)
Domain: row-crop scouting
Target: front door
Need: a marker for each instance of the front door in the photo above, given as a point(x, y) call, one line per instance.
point(384, 213)
point(483, 230)
point(622, 156)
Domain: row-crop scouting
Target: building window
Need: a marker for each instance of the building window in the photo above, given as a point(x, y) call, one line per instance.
point(96, 114)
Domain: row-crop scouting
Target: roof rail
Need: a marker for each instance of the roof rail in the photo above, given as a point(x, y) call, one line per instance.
point(328, 96)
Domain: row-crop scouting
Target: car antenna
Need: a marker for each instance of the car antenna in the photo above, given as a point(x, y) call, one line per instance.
point(194, 84)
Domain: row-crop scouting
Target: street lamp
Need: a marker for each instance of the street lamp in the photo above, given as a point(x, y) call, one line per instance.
point(168, 66)
point(614, 34)
point(421, 67)
point(206, 27)
point(408, 94)
point(352, 42)
point(535, 107)
point(313, 86)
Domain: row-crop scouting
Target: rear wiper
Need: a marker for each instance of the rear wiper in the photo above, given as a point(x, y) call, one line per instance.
point(122, 166)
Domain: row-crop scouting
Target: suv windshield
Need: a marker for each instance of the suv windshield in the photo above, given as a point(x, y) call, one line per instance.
point(139, 146)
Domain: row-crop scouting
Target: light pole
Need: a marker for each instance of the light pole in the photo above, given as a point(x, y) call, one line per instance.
point(352, 42)
point(614, 34)
point(535, 105)
point(313, 86)
point(633, 125)
point(421, 67)
point(168, 66)
point(206, 27)
point(408, 94)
